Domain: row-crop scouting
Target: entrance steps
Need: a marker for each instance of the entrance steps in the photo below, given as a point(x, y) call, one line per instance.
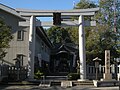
point(45, 84)
point(53, 80)
point(72, 83)
point(77, 83)
point(56, 83)
point(56, 78)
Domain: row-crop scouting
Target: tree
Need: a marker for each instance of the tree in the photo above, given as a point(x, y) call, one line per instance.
point(5, 38)
point(84, 4)
point(103, 36)
point(106, 32)
point(58, 35)
point(73, 32)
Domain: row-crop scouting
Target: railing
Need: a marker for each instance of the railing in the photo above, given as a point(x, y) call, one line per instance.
point(12, 72)
point(90, 71)
point(17, 73)
point(3, 70)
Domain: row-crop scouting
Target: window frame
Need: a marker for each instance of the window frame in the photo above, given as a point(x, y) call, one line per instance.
point(20, 35)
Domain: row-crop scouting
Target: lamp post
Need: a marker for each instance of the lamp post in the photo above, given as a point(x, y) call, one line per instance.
point(96, 60)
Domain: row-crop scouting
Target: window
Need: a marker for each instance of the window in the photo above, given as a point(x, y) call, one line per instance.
point(20, 35)
point(20, 58)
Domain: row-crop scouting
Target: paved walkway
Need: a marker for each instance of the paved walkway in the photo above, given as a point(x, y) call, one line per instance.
point(30, 87)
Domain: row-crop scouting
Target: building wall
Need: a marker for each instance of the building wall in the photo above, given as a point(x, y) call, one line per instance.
point(42, 49)
point(22, 46)
point(16, 47)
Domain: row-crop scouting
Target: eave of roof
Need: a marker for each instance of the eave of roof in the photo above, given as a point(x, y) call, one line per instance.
point(11, 11)
point(63, 48)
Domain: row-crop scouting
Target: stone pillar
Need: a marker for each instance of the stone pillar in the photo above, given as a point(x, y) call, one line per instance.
point(118, 76)
point(82, 54)
point(31, 47)
point(107, 74)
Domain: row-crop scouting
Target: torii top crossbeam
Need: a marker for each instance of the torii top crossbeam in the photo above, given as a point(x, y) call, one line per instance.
point(49, 13)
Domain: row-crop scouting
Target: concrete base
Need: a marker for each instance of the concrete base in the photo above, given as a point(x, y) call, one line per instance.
point(107, 76)
point(105, 83)
point(44, 85)
point(118, 76)
point(82, 80)
point(66, 84)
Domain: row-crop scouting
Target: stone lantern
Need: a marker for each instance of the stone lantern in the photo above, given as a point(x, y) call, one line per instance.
point(96, 60)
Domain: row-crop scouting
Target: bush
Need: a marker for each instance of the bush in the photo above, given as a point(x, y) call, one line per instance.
point(73, 76)
point(38, 74)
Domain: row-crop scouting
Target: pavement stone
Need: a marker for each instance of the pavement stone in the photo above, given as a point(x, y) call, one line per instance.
point(33, 87)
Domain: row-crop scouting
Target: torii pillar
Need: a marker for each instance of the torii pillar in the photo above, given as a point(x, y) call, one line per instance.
point(82, 53)
point(31, 48)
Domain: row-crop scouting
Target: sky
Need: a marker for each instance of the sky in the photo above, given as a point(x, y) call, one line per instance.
point(41, 4)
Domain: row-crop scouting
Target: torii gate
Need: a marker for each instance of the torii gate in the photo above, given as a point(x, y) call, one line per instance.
point(32, 14)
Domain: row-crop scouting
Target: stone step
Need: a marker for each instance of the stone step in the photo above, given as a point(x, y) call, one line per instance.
point(56, 83)
point(45, 84)
point(55, 78)
point(76, 83)
point(59, 74)
point(66, 84)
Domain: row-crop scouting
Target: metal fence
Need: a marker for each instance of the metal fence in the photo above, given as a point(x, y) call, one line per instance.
point(13, 73)
point(3, 71)
point(17, 74)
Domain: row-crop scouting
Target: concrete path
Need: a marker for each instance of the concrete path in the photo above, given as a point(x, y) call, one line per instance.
point(82, 87)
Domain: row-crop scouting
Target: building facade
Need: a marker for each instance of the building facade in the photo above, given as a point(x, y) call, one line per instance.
point(20, 44)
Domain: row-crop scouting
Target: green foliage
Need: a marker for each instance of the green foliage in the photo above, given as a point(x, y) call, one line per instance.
point(109, 13)
point(104, 36)
point(58, 35)
point(73, 32)
point(84, 4)
point(73, 76)
point(38, 74)
point(5, 38)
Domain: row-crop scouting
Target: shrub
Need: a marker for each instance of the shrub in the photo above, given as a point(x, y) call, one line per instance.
point(73, 76)
point(38, 74)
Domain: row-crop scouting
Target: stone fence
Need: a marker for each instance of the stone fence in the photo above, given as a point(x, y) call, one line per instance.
point(91, 72)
